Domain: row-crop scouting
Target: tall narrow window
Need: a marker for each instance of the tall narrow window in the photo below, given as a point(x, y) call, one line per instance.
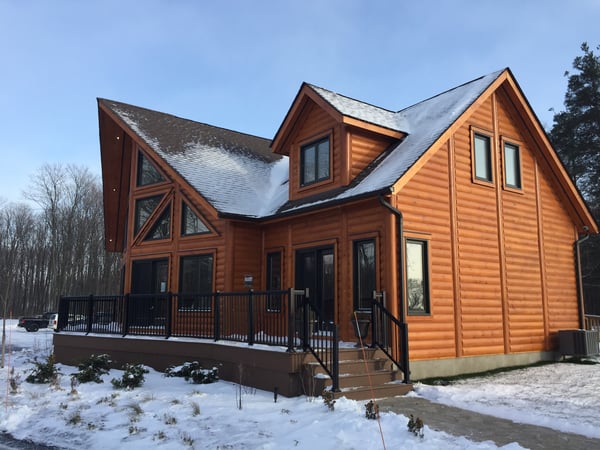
point(483, 157)
point(274, 280)
point(195, 282)
point(191, 223)
point(162, 228)
point(365, 273)
point(512, 166)
point(146, 173)
point(417, 277)
point(314, 162)
point(144, 207)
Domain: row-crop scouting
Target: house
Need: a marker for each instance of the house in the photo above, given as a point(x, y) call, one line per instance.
point(457, 209)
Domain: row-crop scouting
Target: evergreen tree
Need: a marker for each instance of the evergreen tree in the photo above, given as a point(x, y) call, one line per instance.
point(576, 137)
point(576, 131)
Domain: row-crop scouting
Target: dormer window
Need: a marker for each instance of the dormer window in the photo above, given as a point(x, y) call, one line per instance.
point(314, 162)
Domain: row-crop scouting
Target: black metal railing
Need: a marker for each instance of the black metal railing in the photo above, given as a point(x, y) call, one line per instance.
point(390, 335)
point(320, 337)
point(277, 318)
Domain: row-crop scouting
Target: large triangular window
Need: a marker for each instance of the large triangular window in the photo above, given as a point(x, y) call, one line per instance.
point(144, 207)
point(191, 223)
point(162, 227)
point(146, 172)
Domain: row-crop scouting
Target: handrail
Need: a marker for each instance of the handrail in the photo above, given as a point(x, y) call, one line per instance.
point(390, 335)
point(322, 340)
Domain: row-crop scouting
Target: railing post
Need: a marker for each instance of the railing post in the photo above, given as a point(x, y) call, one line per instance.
point(250, 317)
point(404, 347)
point(217, 315)
point(335, 379)
point(126, 314)
point(374, 325)
point(291, 320)
point(305, 327)
point(168, 325)
point(90, 314)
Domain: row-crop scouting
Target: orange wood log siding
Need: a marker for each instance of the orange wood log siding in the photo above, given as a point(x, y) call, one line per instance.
point(364, 148)
point(502, 246)
point(338, 227)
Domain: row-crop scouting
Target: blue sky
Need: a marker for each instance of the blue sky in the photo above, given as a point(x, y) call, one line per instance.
point(239, 64)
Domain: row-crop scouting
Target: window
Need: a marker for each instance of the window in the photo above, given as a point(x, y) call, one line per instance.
point(483, 157)
point(365, 273)
point(314, 162)
point(146, 172)
point(162, 228)
point(512, 166)
point(274, 280)
point(195, 282)
point(144, 207)
point(417, 277)
point(191, 223)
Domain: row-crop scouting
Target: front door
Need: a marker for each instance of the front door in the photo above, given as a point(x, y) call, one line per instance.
point(315, 271)
point(150, 278)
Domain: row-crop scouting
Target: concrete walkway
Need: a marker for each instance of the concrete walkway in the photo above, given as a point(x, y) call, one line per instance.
point(480, 427)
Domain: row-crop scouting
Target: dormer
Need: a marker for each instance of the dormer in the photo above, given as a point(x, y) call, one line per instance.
point(330, 139)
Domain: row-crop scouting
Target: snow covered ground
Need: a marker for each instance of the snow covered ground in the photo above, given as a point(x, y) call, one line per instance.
point(171, 413)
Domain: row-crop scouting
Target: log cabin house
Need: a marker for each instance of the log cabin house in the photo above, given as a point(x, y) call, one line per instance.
point(457, 209)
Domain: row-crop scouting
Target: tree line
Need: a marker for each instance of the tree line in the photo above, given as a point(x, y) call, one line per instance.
point(57, 246)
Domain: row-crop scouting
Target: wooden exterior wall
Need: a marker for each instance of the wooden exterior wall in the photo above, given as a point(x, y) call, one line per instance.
point(501, 260)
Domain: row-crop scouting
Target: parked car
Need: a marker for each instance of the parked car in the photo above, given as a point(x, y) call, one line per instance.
point(53, 321)
point(35, 323)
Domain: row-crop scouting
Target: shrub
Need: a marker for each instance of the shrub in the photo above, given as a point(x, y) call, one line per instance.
point(415, 426)
point(133, 376)
point(193, 371)
point(372, 410)
point(329, 399)
point(92, 369)
point(43, 372)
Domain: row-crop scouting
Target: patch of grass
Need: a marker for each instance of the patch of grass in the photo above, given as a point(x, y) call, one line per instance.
point(445, 381)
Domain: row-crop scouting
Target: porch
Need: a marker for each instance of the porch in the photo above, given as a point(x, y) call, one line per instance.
point(272, 340)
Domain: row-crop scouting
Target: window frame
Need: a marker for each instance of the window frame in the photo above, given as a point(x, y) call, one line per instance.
point(201, 298)
point(519, 165)
point(274, 302)
point(357, 299)
point(137, 226)
point(165, 213)
point(480, 133)
point(184, 205)
point(426, 275)
point(139, 171)
point(314, 143)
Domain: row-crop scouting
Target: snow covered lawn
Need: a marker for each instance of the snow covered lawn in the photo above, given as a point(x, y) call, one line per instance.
point(171, 413)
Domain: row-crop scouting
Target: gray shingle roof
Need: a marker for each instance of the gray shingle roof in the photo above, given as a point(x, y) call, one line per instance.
point(238, 174)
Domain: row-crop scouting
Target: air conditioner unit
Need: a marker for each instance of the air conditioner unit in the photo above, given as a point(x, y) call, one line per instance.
point(578, 342)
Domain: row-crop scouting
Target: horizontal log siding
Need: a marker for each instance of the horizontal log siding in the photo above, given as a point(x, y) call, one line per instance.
point(525, 312)
point(478, 248)
point(560, 263)
point(247, 257)
point(365, 147)
point(425, 205)
point(314, 123)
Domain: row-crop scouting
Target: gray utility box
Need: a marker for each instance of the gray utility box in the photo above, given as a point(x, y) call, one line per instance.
point(578, 342)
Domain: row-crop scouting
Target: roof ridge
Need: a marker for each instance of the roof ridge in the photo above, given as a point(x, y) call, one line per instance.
point(495, 73)
point(314, 86)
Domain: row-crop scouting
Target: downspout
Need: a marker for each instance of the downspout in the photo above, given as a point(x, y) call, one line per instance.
point(399, 262)
point(400, 275)
point(580, 303)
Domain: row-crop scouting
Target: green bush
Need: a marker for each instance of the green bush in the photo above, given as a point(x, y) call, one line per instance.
point(43, 372)
point(194, 372)
point(92, 369)
point(133, 376)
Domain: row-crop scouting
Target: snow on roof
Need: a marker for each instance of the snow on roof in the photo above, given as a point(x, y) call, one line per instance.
point(426, 121)
point(238, 174)
point(362, 111)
